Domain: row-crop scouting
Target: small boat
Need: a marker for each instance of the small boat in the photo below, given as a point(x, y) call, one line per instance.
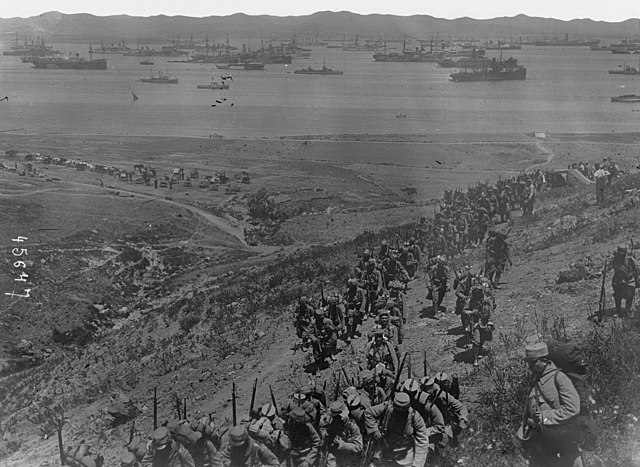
point(162, 78)
point(213, 85)
point(626, 98)
point(146, 62)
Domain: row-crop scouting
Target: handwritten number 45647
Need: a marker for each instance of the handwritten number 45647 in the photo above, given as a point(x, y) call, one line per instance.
point(19, 252)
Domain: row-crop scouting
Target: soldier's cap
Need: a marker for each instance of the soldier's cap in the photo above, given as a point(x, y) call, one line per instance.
point(337, 408)
point(127, 459)
point(268, 410)
point(393, 256)
point(333, 299)
point(366, 376)
point(442, 258)
point(428, 384)
point(405, 244)
point(306, 390)
point(299, 396)
point(298, 414)
point(352, 281)
point(353, 401)
point(383, 242)
point(303, 299)
point(401, 400)
point(410, 385)
point(535, 351)
point(371, 262)
point(381, 369)
point(319, 313)
point(622, 249)
point(238, 435)
point(442, 376)
point(412, 240)
point(384, 313)
point(378, 333)
point(187, 433)
point(348, 391)
point(161, 437)
point(367, 252)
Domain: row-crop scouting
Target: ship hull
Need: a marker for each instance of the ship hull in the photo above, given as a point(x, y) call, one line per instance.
point(99, 64)
point(463, 76)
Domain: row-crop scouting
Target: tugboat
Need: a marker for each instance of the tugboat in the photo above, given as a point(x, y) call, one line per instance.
point(213, 85)
point(162, 78)
point(494, 70)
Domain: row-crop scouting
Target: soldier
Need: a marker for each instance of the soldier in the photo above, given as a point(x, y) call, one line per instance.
point(374, 285)
point(455, 414)
point(335, 311)
point(304, 321)
point(480, 328)
point(356, 411)
point(414, 249)
point(390, 330)
point(399, 431)
point(299, 399)
point(439, 244)
point(342, 439)
point(163, 451)
point(601, 176)
point(361, 264)
point(385, 251)
point(408, 261)
point(304, 439)
point(379, 350)
point(463, 293)
point(356, 303)
point(430, 413)
point(203, 451)
point(242, 451)
point(438, 278)
point(498, 254)
point(552, 402)
point(268, 429)
point(377, 384)
point(128, 459)
point(393, 270)
point(530, 197)
point(324, 338)
point(625, 279)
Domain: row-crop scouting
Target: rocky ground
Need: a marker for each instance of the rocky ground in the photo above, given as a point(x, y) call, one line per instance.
point(131, 290)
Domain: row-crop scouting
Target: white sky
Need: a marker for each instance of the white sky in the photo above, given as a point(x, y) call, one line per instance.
point(603, 10)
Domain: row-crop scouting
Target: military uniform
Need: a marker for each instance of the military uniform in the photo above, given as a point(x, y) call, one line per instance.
point(379, 350)
point(242, 451)
point(341, 437)
point(324, 338)
point(356, 300)
point(625, 279)
point(304, 439)
point(165, 452)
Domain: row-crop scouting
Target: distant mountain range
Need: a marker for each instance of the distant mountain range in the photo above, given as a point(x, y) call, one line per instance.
point(57, 27)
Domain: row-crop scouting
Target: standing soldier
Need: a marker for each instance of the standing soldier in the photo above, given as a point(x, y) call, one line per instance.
point(601, 176)
point(393, 270)
point(304, 321)
point(385, 251)
point(455, 414)
point(625, 279)
point(438, 279)
point(336, 313)
point(324, 338)
point(163, 451)
point(374, 285)
point(361, 264)
point(304, 439)
point(390, 330)
point(379, 350)
point(408, 261)
point(242, 451)
point(399, 431)
point(552, 402)
point(498, 255)
point(356, 300)
point(414, 249)
point(480, 327)
point(341, 437)
point(530, 197)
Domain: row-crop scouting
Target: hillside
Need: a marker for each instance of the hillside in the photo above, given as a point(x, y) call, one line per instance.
point(57, 27)
point(157, 297)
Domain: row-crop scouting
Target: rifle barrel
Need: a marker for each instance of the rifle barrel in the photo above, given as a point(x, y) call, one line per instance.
point(233, 404)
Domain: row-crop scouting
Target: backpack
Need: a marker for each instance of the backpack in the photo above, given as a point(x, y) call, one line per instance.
point(569, 359)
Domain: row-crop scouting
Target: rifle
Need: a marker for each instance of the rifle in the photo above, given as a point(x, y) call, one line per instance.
point(133, 426)
point(184, 401)
point(155, 408)
point(273, 400)
point(424, 362)
point(233, 404)
point(602, 302)
point(409, 368)
point(178, 406)
point(253, 397)
point(324, 302)
point(398, 375)
point(59, 422)
point(346, 376)
point(367, 453)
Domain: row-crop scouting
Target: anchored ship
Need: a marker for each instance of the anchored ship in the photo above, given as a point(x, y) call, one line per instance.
point(70, 63)
point(493, 70)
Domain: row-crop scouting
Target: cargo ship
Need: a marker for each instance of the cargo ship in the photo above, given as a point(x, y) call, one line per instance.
point(314, 71)
point(568, 42)
point(626, 98)
point(69, 63)
point(493, 70)
point(162, 78)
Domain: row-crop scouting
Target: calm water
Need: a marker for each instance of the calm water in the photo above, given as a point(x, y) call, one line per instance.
point(567, 90)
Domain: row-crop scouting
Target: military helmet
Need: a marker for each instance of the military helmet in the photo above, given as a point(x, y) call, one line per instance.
point(161, 438)
point(298, 414)
point(268, 410)
point(353, 401)
point(410, 386)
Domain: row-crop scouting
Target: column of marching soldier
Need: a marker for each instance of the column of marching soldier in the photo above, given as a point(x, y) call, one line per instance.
point(376, 416)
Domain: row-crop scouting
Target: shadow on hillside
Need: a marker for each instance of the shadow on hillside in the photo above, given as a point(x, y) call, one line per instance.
point(457, 331)
point(608, 313)
point(466, 356)
point(430, 312)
